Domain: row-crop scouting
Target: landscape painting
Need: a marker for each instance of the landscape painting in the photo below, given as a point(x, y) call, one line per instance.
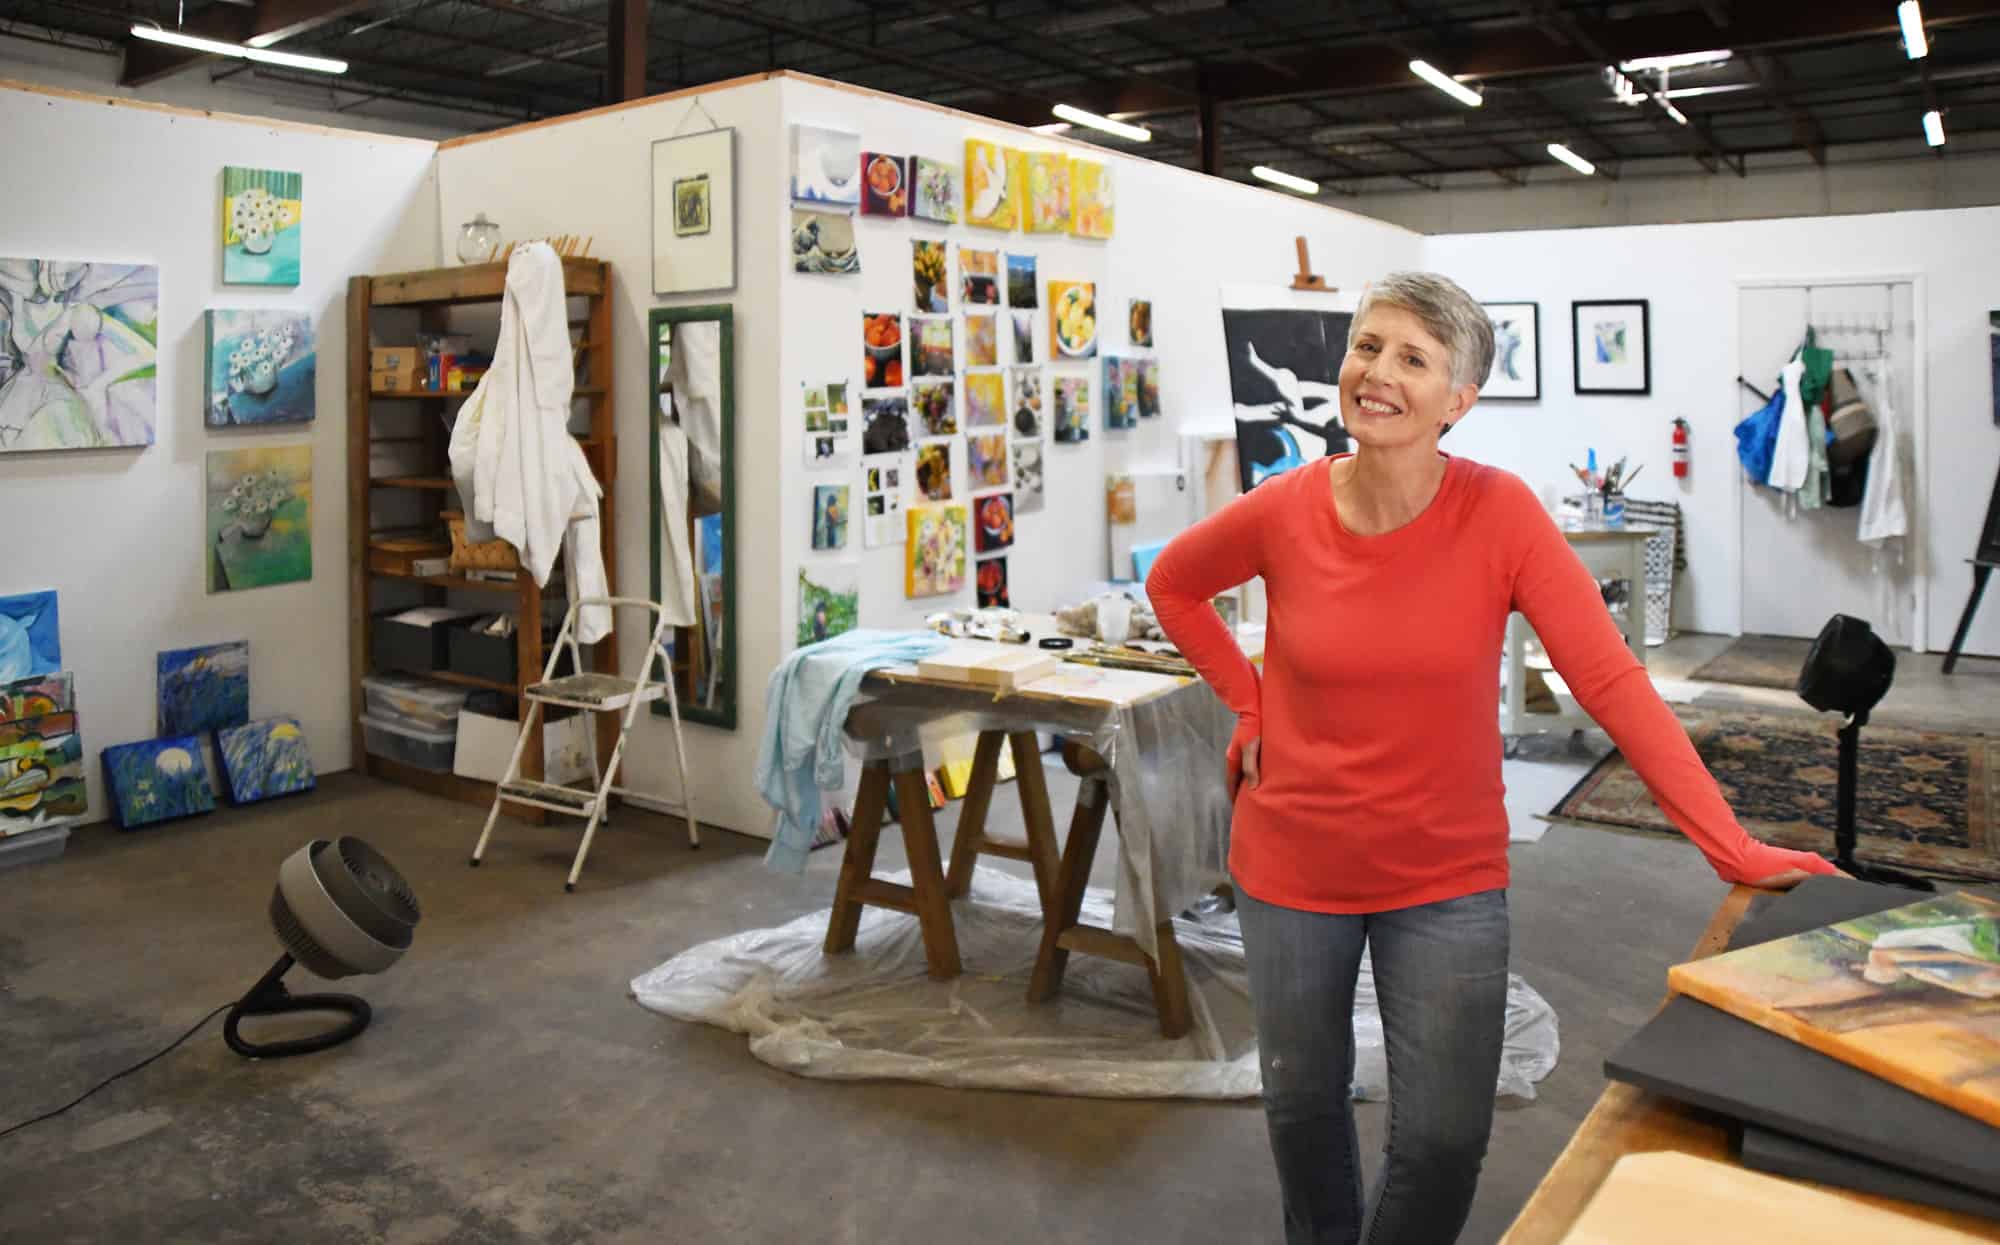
point(204, 689)
point(262, 760)
point(157, 780)
point(77, 354)
point(1911, 995)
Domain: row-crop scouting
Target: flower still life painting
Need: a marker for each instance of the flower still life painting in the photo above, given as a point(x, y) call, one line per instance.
point(30, 635)
point(263, 214)
point(261, 368)
point(934, 470)
point(204, 689)
point(259, 517)
point(266, 759)
point(927, 272)
point(937, 407)
point(78, 345)
point(936, 190)
point(935, 551)
point(157, 780)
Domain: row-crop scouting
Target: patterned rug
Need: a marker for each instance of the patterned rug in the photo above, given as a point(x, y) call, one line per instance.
point(1757, 661)
point(1928, 801)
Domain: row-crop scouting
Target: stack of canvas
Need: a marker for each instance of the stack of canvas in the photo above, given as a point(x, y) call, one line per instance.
point(1853, 1036)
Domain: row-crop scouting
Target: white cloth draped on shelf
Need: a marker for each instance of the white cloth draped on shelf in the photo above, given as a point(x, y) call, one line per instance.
point(522, 476)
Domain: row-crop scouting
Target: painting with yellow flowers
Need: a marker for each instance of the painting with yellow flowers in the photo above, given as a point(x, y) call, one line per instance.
point(991, 192)
point(1045, 208)
point(263, 214)
point(262, 760)
point(259, 517)
point(1090, 206)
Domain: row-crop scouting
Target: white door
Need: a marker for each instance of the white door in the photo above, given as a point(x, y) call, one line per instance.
point(1801, 567)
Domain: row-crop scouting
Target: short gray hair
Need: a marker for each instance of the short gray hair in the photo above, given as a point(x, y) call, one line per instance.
point(1448, 313)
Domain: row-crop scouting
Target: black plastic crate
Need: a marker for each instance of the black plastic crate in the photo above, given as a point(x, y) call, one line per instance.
point(489, 656)
point(401, 646)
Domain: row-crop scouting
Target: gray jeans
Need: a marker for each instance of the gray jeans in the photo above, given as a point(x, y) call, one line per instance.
point(1441, 984)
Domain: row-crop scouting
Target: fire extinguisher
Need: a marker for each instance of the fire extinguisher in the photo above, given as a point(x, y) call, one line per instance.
point(1680, 448)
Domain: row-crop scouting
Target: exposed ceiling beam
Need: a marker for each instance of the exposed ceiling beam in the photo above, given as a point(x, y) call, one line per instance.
point(267, 21)
point(1776, 84)
point(539, 14)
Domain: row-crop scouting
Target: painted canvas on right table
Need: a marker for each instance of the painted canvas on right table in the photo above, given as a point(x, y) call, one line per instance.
point(1911, 995)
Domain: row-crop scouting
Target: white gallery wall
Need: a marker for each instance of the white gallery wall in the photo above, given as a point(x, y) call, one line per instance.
point(1690, 274)
point(1179, 239)
point(119, 533)
point(591, 176)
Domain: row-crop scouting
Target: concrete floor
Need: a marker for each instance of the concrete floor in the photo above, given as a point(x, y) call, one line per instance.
point(510, 1090)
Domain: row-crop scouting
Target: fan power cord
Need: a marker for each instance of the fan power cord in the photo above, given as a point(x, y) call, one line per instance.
point(11, 1129)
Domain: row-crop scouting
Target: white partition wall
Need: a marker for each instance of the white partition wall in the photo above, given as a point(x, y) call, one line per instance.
point(119, 533)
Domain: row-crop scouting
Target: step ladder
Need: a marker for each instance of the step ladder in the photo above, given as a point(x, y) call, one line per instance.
point(596, 693)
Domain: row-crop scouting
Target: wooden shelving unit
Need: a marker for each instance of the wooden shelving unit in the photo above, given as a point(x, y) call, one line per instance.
point(432, 294)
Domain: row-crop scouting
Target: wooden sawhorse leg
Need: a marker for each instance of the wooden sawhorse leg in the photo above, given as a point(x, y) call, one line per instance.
point(1980, 572)
point(971, 841)
point(925, 897)
point(1064, 931)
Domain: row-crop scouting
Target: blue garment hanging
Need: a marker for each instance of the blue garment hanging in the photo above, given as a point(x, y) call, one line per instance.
point(1757, 437)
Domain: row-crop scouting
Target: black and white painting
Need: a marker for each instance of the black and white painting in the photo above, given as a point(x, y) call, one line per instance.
point(1284, 383)
point(1517, 352)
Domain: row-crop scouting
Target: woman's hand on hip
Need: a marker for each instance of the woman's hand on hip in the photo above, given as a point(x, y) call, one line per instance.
point(1247, 769)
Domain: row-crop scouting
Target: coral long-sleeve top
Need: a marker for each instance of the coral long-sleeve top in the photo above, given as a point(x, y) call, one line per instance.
point(1380, 757)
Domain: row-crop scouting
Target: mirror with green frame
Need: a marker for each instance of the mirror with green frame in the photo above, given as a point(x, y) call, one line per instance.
point(692, 422)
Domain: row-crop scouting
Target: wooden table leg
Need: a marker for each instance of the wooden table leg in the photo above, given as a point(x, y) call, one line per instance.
point(1037, 816)
point(857, 862)
point(972, 813)
point(1170, 988)
point(925, 897)
point(1093, 800)
point(920, 842)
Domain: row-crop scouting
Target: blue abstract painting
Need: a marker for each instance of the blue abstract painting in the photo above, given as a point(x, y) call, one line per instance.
point(265, 759)
point(157, 780)
point(204, 689)
point(261, 368)
point(30, 642)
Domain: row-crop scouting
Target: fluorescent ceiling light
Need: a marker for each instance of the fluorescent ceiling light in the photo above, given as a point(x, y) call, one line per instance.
point(1446, 83)
point(1910, 15)
point(1573, 160)
point(1123, 129)
point(1680, 60)
point(1053, 127)
point(1689, 92)
point(1286, 180)
point(1934, 128)
point(216, 47)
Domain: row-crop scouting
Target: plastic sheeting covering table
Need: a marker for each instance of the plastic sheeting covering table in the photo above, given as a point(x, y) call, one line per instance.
point(878, 1014)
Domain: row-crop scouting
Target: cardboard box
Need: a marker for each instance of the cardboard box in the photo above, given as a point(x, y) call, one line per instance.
point(485, 743)
point(1002, 667)
point(406, 359)
point(395, 382)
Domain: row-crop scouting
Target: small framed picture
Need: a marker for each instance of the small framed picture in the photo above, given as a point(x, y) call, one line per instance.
point(1611, 343)
point(690, 205)
point(1517, 353)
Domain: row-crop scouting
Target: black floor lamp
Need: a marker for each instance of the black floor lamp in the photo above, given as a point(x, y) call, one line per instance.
point(1848, 671)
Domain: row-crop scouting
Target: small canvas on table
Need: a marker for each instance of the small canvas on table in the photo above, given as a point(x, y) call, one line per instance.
point(157, 780)
point(262, 760)
point(1003, 667)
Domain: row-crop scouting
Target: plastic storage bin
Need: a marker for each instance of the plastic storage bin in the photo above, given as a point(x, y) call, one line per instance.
point(394, 741)
point(418, 704)
point(33, 846)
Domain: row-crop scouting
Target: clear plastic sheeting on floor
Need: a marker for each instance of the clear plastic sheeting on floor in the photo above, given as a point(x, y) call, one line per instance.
point(874, 1014)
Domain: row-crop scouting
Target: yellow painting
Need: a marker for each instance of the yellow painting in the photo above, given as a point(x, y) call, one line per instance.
point(1090, 212)
point(992, 177)
point(1045, 209)
point(934, 550)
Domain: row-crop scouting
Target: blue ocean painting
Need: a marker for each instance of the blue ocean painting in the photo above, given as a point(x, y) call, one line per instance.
point(261, 368)
point(30, 642)
point(204, 689)
point(265, 759)
point(157, 780)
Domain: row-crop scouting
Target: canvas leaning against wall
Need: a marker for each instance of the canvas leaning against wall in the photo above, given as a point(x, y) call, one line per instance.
point(263, 218)
point(78, 354)
point(261, 368)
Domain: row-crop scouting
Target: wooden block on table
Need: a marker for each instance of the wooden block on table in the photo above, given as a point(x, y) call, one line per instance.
point(1002, 667)
point(1668, 1198)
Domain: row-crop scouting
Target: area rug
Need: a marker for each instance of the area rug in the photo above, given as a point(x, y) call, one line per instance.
point(1927, 800)
point(1757, 661)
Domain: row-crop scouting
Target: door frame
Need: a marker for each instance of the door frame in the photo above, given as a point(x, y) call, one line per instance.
point(1916, 542)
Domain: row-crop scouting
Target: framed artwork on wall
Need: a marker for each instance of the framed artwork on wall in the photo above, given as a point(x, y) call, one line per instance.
point(694, 213)
point(1611, 346)
point(1517, 353)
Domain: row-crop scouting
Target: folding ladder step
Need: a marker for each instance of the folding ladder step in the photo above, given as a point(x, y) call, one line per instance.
point(593, 691)
point(549, 795)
